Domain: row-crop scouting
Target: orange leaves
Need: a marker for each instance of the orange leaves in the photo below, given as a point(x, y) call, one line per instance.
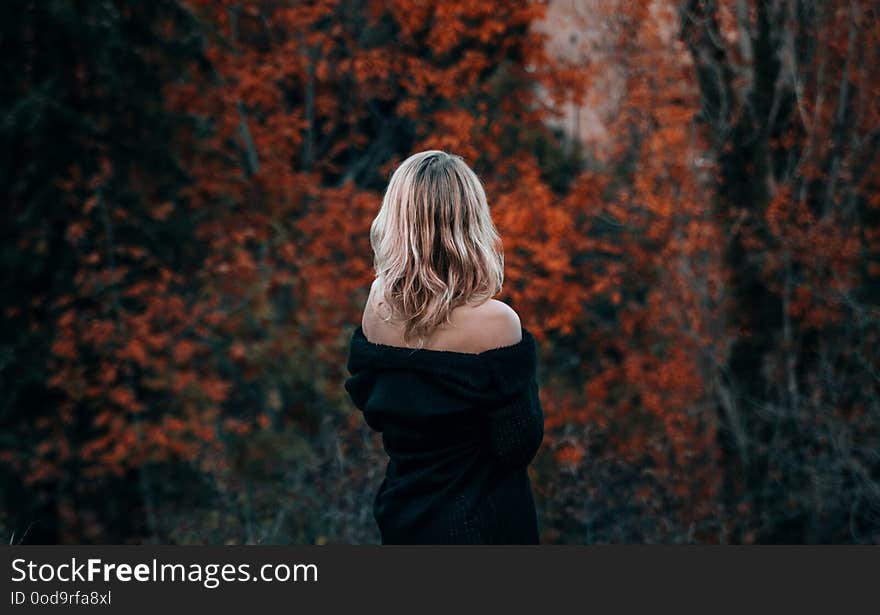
point(76, 231)
point(412, 16)
point(135, 351)
point(455, 131)
point(63, 347)
point(408, 107)
point(570, 455)
point(237, 351)
point(237, 427)
point(144, 360)
point(371, 65)
point(125, 399)
point(184, 351)
point(215, 390)
point(162, 211)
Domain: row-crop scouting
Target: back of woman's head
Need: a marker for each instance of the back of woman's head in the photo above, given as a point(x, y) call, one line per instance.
point(434, 244)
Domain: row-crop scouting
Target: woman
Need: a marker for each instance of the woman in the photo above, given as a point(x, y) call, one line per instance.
point(445, 372)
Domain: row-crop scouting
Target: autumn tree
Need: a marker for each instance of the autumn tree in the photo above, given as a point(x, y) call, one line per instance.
point(208, 252)
point(788, 99)
point(735, 376)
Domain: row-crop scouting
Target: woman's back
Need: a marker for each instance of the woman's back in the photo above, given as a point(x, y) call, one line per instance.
point(459, 429)
point(472, 328)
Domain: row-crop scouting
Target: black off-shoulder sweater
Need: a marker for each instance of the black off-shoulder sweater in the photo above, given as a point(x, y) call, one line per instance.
point(460, 430)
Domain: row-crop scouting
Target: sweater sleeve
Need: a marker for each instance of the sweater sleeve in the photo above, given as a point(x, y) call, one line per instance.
point(515, 429)
point(359, 387)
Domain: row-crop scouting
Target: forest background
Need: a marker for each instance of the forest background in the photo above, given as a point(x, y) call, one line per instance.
point(688, 195)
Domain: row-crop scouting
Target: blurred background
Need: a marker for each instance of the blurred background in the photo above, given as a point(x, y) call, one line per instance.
point(689, 197)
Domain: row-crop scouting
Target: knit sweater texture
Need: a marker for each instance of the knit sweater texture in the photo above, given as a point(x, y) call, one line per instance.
point(460, 430)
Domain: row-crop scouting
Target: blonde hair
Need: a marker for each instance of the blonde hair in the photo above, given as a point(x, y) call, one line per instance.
point(435, 246)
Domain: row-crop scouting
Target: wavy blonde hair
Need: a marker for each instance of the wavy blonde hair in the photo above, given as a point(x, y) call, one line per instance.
point(435, 246)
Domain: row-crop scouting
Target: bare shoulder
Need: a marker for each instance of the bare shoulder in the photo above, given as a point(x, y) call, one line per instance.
point(492, 324)
point(474, 328)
